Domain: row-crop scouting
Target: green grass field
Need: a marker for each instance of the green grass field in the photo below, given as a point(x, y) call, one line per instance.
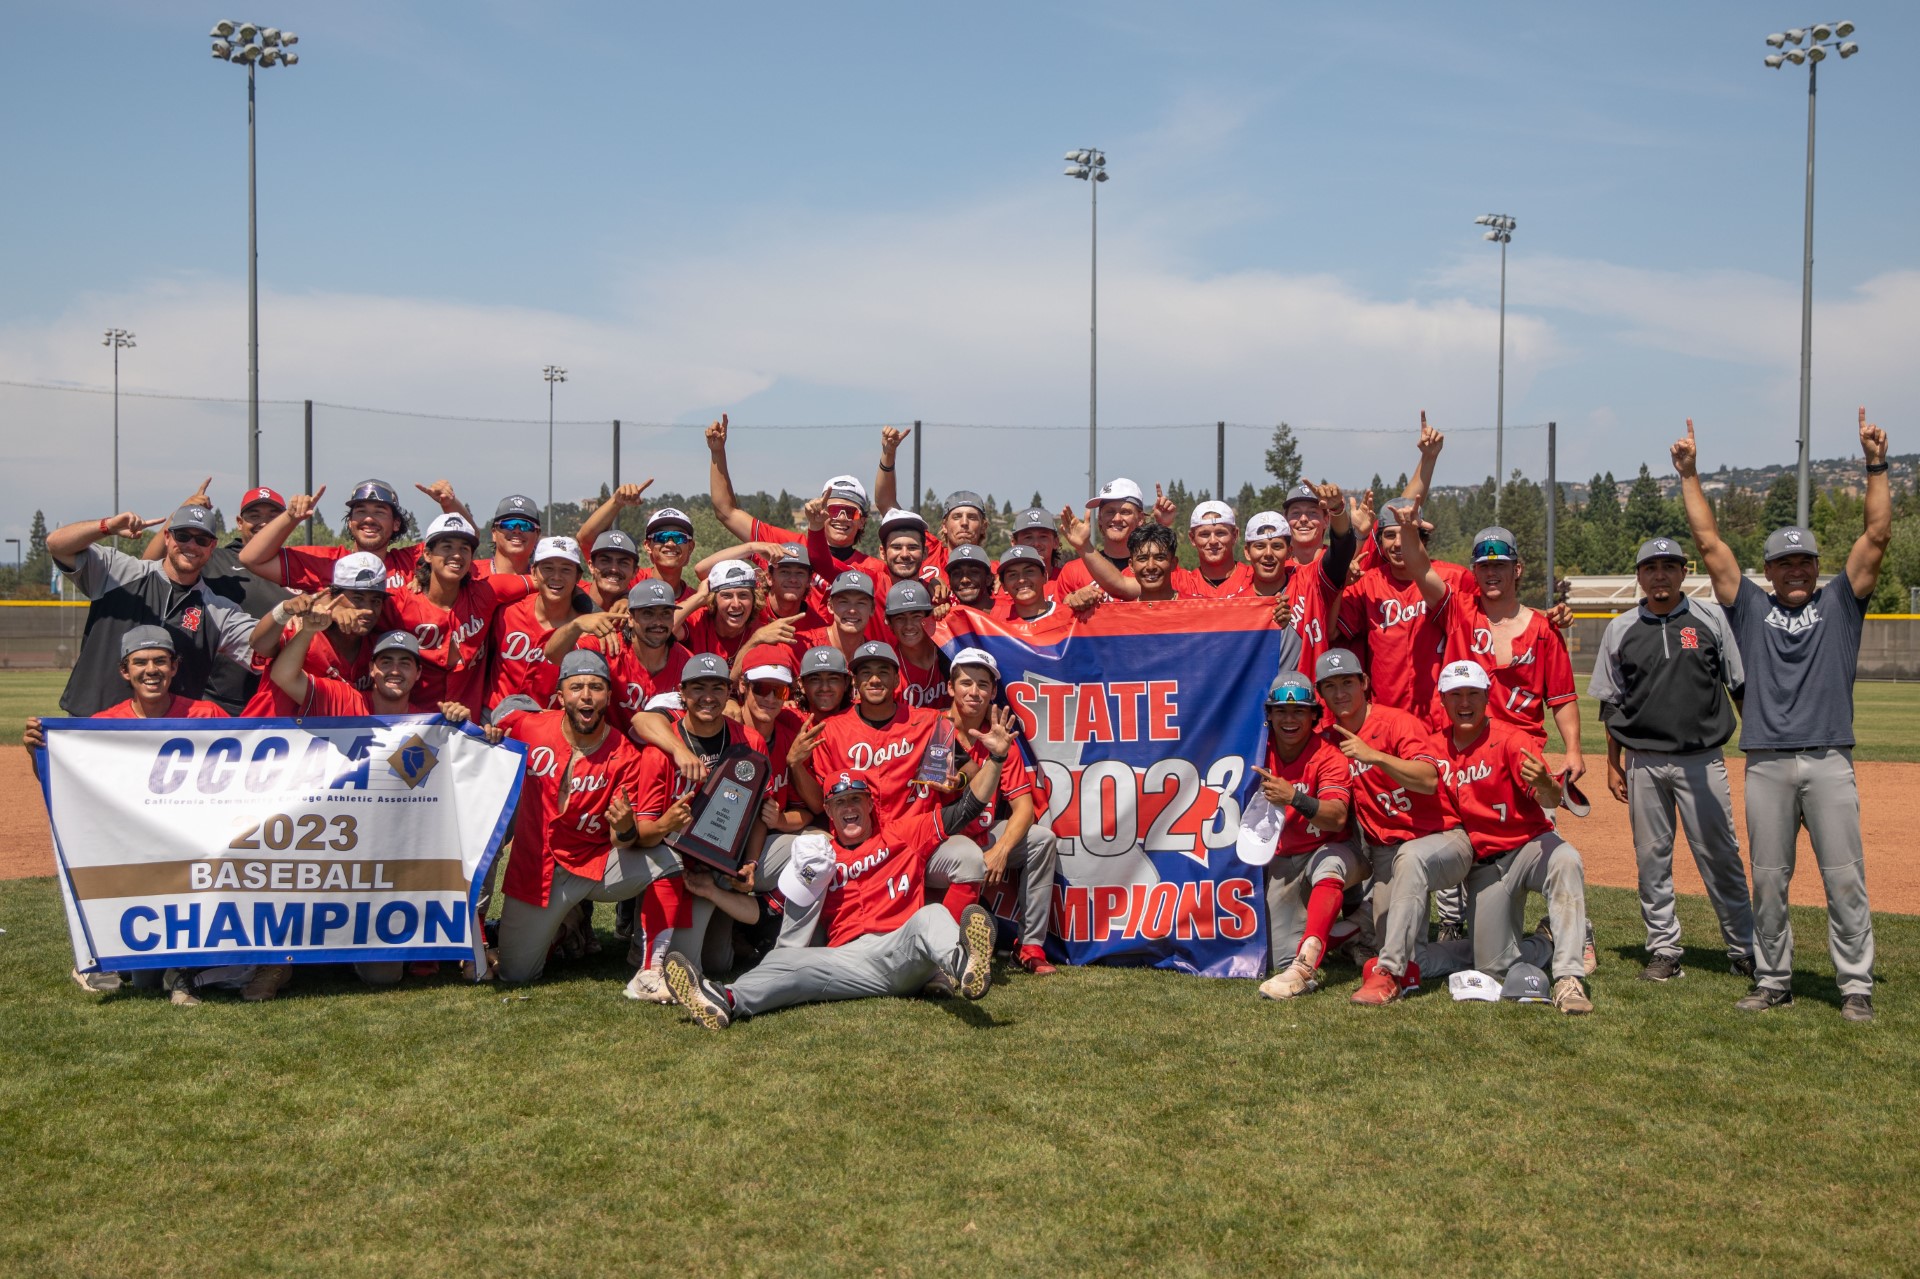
point(1098, 1122)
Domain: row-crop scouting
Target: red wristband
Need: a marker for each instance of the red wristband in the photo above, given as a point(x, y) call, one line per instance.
point(103, 528)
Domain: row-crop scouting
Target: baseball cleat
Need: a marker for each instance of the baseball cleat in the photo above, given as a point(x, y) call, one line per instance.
point(96, 983)
point(648, 986)
point(1034, 960)
point(1376, 986)
point(976, 931)
point(1298, 978)
point(1763, 999)
point(268, 980)
point(1569, 998)
point(1589, 958)
point(1662, 968)
point(178, 984)
point(1741, 966)
point(1856, 1007)
point(693, 992)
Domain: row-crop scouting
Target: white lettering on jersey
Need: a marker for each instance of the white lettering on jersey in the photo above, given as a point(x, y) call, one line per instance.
point(1393, 612)
point(518, 646)
point(540, 762)
point(1794, 623)
point(862, 756)
point(845, 871)
point(428, 633)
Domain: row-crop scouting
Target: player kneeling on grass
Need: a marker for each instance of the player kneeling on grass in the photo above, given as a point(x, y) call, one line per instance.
point(1305, 782)
point(1503, 792)
point(869, 885)
point(1413, 840)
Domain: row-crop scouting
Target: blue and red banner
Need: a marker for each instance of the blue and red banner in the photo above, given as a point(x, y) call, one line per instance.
point(1143, 719)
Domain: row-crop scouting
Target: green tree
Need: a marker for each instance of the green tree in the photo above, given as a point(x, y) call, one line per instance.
point(1283, 456)
point(1782, 506)
point(1648, 514)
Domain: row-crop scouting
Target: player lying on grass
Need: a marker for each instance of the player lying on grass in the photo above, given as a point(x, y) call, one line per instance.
point(870, 885)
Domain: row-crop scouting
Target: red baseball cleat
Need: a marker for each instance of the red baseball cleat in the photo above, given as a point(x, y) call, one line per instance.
point(1034, 960)
point(1376, 986)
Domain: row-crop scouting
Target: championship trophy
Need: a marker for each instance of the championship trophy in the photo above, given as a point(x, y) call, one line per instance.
point(723, 811)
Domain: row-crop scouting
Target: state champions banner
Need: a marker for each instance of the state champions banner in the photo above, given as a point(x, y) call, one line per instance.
point(193, 843)
point(1144, 721)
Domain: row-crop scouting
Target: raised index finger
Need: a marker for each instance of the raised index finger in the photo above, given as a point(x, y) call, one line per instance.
point(1689, 428)
point(319, 492)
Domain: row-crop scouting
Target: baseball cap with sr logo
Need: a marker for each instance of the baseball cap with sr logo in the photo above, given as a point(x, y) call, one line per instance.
point(1121, 490)
point(1262, 525)
point(809, 869)
point(1659, 548)
point(360, 571)
point(1789, 541)
point(1212, 513)
point(255, 496)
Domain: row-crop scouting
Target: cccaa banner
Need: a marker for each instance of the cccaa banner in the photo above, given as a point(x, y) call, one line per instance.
point(197, 843)
point(1144, 721)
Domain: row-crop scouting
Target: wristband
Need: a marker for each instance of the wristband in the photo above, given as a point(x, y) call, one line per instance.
point(1877, 468)
point(280, 615)
point(886, 468)
point(1304, 804)
point(103, 528)
point(998, 759)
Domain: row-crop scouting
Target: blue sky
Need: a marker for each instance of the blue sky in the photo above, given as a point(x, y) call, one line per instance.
point(855, 214)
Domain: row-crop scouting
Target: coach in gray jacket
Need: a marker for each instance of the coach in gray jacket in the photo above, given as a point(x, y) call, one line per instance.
point(1800, 645)
point(1663, 677)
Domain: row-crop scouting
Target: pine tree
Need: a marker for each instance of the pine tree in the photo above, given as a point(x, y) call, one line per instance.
point(38, 566)
point(1648, 514)
point(1283, 456)
point(1782, 506)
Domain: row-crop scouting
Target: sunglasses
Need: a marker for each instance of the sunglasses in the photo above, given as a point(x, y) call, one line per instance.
point(193, 539)
point(1291, 696)
point(845, 510)
point(517, 525)
point(772, 689)
point(1495, 549)
point(670, 538)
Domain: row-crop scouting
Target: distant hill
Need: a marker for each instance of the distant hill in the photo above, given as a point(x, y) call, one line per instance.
point(1841, 473)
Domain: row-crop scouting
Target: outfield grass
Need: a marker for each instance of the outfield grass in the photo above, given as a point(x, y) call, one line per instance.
point(24, 693)
point(1096, 1122)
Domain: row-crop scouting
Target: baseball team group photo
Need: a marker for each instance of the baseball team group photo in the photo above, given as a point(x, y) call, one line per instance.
point(789, 829)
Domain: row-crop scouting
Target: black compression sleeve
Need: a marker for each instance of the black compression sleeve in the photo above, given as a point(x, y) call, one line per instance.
point(1304, 804)
point(1340, 548)
point(955, 816)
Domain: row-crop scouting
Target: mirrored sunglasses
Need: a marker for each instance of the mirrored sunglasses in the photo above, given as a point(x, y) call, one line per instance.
point(517, 525)
point(672, 537)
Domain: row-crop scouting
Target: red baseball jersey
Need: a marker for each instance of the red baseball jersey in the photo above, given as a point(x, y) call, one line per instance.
point(923, 685)
point(660, 780)
point(703, 634)
point(519, 651)
point(878, 886)
point(1313, 600)
point(1494, 804)
point(177, 708)
point(454, 641)
point(886, 755)
point(1016, 779)
point(786, 727)
point(1191, 583)
point(562, 820)
point(1388, 812)
point(310, 568)
point(323, 658)
point(1538, 678)
point(1404, 647)
point(633, 684)
point(1323, 771)
point(332, 697)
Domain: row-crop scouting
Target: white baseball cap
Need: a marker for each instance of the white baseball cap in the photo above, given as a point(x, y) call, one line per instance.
point(1118, 491)
point(360, 571)
point(976, 657)
point(450, 524)
point(848, 489)
point(1265, 524)
point(1260, 824)
point(1212, 513)
point(1473, 984)
point(556, 548)
point(899, 517)
point(809, 869)
point(1462, 675)
point(667, 701)
point(729, 574)
point(774, 672)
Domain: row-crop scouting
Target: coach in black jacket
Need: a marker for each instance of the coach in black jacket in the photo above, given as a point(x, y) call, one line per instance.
point(1663, 679)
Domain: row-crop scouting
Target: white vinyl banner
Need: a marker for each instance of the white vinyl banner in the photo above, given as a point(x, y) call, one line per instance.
point(197, 843)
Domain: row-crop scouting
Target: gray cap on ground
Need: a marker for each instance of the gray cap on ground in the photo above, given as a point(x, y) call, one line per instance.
point(144, 637)
point(908, 597)
point(652, 593)
point(1336, 661)
point(823, 660)
point(705, 666)
point(584, 661)
point(1527, 984)
point(1789, 541)
point(1659, 548)
point(197, 517)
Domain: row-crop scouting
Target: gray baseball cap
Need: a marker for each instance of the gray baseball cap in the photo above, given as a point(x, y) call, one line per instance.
point(651, 593)
point(908, 597)
point(1301, 492)
point(1495, 545)
point(793, 553)
point(516, 506)
point(584, 661)
point(968, 553)
point(1789, 541)
point(875, 651)
point(1336, 661)
point(614, 540)
point(1033, 517)
point(705, 666)
point(963, 497)
point(144, 637)
point(1291, 687)
point(823, 660)
point(194, 517)
point(1393, 514)
point(403, 641)
point(1018, 554)
point(854, 582)
point(1659, 548)
point(1526, 984)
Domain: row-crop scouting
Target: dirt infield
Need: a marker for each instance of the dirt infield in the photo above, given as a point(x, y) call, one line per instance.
point(1890, 813)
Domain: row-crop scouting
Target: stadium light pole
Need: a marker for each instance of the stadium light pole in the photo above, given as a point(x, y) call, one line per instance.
point(1090, 166)
point(553, 373)
point(1500, 231)
point(250, 45)
point(19, 564)
point(119, 340)
point(1819, 37)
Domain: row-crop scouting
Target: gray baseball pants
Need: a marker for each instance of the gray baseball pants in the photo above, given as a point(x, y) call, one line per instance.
point(1497, 902)
point(1035, 857)
point(1403, 875)
point(901, 962)
point(957, 861)
point(527, 931)
point(1814, 788)
point(1695, 783)
point(1290, 882)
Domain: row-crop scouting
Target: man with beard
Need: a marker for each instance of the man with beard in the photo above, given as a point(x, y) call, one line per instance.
point(642, 658)
point(909, 614)
point(343, 651)
point(868, 880)
point(127, 592)
point(1412, 839)
point(1016, 845)
point(575, 838)
point(375, 519)
point(614, 566)
point(1800, 642)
